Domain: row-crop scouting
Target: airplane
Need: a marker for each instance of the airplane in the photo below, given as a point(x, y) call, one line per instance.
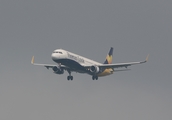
point(70, 62)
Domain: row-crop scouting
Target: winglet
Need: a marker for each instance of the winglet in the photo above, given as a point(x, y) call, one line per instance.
point(32, 61)
point(147, 57)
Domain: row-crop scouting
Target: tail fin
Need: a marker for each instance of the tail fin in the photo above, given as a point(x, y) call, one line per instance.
point(109, 57)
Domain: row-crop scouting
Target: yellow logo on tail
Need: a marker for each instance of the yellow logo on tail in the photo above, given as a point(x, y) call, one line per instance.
point(109, 57)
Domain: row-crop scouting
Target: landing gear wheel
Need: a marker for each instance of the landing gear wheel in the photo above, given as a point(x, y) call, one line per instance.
point(69, 77)
point(94, 77)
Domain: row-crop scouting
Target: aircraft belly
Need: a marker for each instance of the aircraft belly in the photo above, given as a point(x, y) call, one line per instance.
point(106, 72)
point(73, 65)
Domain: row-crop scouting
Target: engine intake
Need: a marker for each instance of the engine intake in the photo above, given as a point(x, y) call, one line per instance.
point(58, 70)
point(94, 69)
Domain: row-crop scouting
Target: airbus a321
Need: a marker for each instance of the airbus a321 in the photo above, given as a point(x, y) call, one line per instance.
point(70, 62)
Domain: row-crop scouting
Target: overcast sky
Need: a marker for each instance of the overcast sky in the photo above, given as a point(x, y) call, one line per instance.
point(89, 28)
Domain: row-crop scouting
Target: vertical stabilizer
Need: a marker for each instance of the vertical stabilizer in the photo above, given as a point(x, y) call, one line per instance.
point(109, 57)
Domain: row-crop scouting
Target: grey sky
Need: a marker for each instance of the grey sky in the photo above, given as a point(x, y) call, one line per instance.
point(134, 28)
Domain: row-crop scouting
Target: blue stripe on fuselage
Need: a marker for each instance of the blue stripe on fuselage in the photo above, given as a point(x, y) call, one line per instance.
point(73, 65)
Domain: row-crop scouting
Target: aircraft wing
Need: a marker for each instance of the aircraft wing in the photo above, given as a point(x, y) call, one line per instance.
point(46, 65)
point(119, 65)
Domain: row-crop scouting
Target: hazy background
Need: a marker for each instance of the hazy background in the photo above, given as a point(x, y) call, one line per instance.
point(134, 28)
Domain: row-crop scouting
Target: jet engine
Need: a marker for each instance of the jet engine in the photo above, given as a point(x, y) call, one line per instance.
point(94, 69)
point(58, 70)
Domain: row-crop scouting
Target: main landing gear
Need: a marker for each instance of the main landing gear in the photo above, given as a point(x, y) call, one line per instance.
point(95, 77)
point(70, 77)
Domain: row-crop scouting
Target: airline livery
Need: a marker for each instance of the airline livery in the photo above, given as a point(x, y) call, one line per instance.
point(70, 62)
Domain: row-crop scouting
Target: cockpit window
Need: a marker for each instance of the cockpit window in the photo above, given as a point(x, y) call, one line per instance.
point(57, 52)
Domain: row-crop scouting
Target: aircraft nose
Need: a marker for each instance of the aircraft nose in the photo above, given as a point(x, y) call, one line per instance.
point(53, 56)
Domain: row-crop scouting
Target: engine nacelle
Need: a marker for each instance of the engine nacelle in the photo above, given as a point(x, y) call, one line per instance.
point(58, 70)
point(94, 69)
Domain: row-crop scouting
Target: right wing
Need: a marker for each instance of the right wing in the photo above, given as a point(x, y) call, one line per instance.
point(119, 65)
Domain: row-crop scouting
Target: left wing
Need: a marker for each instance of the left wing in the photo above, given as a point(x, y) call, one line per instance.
point(47, 65)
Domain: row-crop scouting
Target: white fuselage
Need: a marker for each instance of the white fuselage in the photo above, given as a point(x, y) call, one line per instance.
point(61, 54)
